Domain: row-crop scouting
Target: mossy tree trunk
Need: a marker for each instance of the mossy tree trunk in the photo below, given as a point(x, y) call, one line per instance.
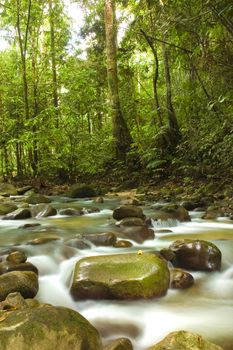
point(121, 134)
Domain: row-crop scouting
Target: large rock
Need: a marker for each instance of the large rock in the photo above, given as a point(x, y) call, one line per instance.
point(172, 212)
point(6, 208)
point(197, 255)
point(24, 282)
point(46, 328)
point(8, 189)
point(81, 191)
point(19, 214)
point(37, 199)
point(7, 266)
point(182, 340)
point(120, 276)
point(126, 211)
point(42, 211)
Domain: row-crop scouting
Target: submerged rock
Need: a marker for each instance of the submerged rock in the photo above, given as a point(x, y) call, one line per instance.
point(138, 234)
point(182, 340)
point(24, 282)
point(120, 276)
point(101, 239)
point(122, 244)
point(70, 212)
point(119, 344)
point(126, 211)
point(81, 191)
point(47, 327)
point(197, 255)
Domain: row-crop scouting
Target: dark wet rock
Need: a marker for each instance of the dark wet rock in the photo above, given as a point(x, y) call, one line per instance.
point(172, 212)
point(81, 191)
point(7, 266)
point(192, 204)
point(70, 212)
point(101, 239)
point(197, 255)
point(43, 240)
point(13, 301)
point(98, 200)
point(119, 344)
point(17, 257)
point(120, 276)
point(138, 234)
point(24, 282)
point(6, 208)
point(180, 279)
point(37, 199)
point(42, 210)
point(167, 254)
point(19, 214)
point(126, 211)
point(185, 341)
point(47, 327)
point(131, 222)
point(122, 244)
point(30, 226)
point(78, 243)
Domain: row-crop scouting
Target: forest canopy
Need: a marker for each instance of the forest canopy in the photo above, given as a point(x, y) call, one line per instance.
point(143, 90)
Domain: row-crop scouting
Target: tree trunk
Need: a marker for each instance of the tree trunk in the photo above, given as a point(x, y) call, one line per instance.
point(53, 58)
point(121, 134)
point(172, 120)
point(155, 76)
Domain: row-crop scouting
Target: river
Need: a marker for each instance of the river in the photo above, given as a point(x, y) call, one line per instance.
point(205, 308)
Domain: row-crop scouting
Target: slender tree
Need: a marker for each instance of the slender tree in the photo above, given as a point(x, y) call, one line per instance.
point(121, 134)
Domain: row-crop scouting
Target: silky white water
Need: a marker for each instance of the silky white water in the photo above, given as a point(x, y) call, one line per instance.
point(206, 308)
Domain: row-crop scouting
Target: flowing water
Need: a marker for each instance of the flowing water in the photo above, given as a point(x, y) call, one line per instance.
point(205, 308)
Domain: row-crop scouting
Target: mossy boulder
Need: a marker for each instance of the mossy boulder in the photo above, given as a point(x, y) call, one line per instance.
point(6, 208)
point(81, 191)
point(120, 276)
point(182, 340)
point(17, 257)
point(70, 212)
point(24, 282)
point(37, 198)
point(196, 254)
point(47, 327)
point(126, 211)
point(18, 214)
point(8, 189)
point(172, 212)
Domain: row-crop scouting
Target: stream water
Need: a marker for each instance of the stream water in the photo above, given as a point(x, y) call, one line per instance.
point(205, 308)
